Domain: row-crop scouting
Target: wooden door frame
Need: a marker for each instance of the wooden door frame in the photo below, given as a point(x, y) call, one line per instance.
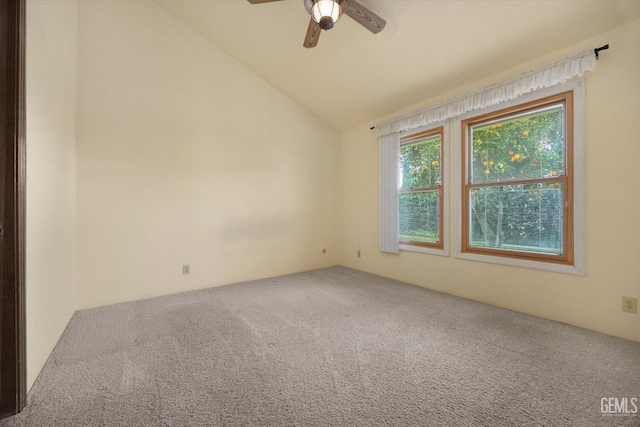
point(13, 378)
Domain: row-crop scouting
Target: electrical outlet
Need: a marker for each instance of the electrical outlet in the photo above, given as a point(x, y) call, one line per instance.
point(186, 269)
point(630, 305)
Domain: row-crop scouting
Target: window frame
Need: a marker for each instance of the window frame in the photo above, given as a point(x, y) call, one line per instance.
point(406, 137)
point(564, 98)
point(572, 259)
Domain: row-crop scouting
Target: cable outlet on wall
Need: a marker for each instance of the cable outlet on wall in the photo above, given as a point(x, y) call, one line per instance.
point(630, 305)
point(186, 269)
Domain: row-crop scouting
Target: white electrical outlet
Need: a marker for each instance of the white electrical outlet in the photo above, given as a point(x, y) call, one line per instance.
point(186, 269)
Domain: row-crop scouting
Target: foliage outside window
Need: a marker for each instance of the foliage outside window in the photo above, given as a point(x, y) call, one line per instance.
point(518, 181)
point(421, 192)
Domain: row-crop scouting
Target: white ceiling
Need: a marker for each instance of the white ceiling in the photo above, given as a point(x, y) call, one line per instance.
point(428, 47)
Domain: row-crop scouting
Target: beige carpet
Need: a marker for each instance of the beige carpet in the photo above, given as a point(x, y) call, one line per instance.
point(333, 347)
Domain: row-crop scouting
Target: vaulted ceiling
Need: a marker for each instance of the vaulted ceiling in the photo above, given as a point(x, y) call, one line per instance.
point(428, 47)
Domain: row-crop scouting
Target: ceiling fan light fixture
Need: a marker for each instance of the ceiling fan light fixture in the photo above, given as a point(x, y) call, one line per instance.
point(326, 13)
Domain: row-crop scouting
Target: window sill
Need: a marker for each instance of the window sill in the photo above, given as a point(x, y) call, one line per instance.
point(515, 262)
point(424, 250)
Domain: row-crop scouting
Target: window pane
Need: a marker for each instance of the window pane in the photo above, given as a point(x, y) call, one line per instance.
point(420, 163)
point(529, 145)
point(420, 216)
point(527, 218)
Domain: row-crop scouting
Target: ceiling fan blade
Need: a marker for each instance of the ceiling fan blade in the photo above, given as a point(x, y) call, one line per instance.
point(313, 34)
point(261, 1)
point(365, 17)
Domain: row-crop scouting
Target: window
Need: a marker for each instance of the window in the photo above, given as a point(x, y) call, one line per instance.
point(518, 181)
point(414, 200)
point(420, 189)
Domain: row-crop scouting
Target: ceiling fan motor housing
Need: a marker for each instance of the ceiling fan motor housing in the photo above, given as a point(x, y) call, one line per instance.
point(326, 23)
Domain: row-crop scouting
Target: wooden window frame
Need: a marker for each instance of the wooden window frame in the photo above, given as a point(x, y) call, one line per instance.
point(567, 256)
point(408, 139)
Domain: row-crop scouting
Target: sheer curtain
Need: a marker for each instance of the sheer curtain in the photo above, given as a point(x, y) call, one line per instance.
point(551, 75)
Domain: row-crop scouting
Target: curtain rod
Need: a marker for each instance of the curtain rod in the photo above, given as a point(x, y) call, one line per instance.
point(596, 51)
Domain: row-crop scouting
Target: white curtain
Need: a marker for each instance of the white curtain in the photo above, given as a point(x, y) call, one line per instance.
point(389, 196)
point(551, 75)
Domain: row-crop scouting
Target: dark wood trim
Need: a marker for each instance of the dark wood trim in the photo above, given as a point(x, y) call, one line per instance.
point(13, 379)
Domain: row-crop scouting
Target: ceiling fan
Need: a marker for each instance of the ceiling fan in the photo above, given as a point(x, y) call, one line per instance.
point(325, 13)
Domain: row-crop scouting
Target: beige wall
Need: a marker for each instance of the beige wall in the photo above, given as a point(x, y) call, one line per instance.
point(592, 301)
point(187, 157)
point(51, 175)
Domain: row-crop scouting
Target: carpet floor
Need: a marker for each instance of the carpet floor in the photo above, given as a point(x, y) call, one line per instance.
point(333, 347)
